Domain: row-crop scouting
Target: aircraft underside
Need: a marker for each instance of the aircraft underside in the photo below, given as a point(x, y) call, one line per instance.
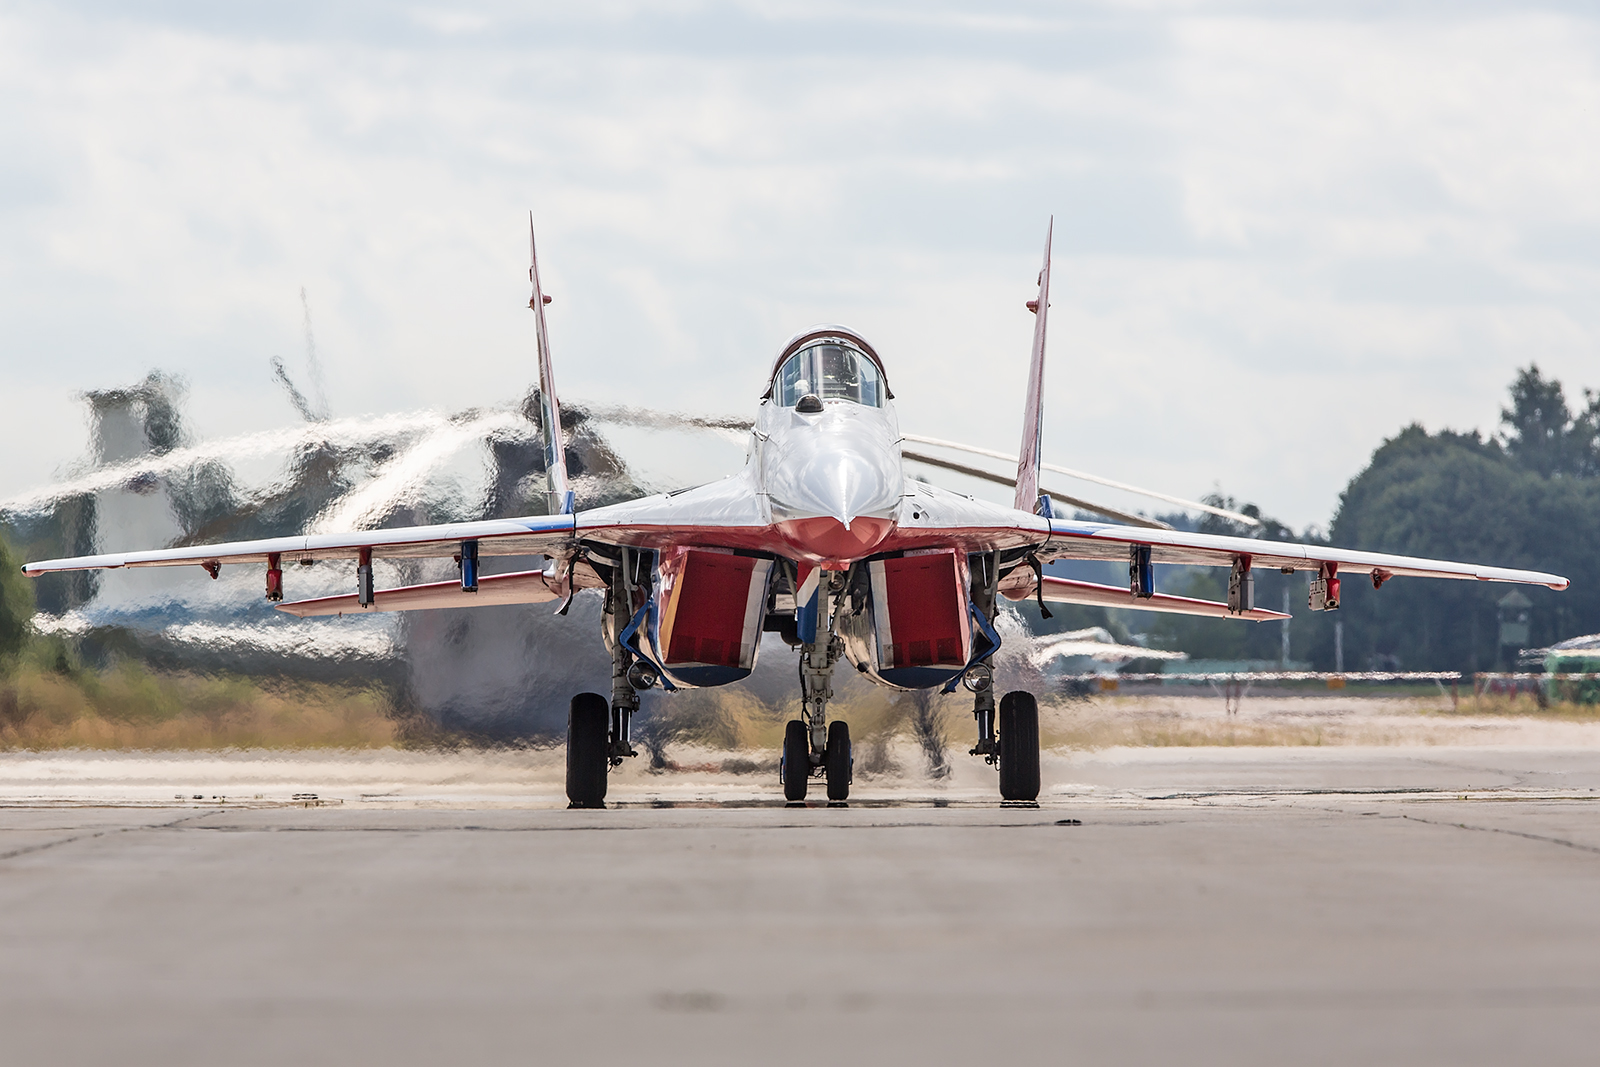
point(692, 617)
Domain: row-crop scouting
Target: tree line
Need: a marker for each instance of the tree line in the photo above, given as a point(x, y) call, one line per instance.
point(1527, 496)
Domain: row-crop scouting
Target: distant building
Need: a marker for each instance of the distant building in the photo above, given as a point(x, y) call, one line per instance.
point(1515, 613)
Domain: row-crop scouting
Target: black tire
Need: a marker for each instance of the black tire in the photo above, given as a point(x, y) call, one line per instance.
point(1019, 747)
point(839, 762)
point(796, 767)
point(588, 758)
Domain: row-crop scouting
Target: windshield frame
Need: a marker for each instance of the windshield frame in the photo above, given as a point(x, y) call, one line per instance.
point(841, 336)
point(808, 372)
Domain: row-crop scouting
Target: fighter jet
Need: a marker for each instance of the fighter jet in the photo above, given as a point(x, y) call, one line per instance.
point(822, 538)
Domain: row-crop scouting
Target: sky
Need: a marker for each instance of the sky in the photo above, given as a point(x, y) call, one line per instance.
point(1282, 231)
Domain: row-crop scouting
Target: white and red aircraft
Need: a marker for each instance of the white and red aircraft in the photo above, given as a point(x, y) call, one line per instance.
point(823, 538)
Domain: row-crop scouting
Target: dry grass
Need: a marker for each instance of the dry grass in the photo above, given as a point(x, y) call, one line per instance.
point(128, 707)
point(1156, 722)
point(1521, 705)
point(1088, 727)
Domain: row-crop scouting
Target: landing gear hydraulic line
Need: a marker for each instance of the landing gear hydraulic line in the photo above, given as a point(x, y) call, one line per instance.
point(624, 702)
point(628, 674)
point(817, 659)
point(979, 679)
point(812, 746)
point(982, 687)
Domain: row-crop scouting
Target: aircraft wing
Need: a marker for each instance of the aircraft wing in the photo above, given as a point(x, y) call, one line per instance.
point(725, 511)
point(1087, 540)
point(537, 535)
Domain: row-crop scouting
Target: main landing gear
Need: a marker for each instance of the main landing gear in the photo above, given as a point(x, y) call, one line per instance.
point(598, 730)
point(1015, 744)
point(588, 740)
point(597, 740)
point(1019, 747)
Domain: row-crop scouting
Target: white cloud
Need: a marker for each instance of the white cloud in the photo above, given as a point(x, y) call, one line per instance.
point(1279, 238)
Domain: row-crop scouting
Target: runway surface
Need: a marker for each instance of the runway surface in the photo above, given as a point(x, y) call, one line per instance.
point(1160, 906)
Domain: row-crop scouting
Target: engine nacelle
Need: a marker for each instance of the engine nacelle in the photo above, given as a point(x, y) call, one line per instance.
point(704, 619)
point(909, 621)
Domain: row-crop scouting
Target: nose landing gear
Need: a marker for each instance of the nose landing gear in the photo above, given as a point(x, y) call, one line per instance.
point(811, 744)
point(837, 765)
point(839, 762)
point(794, 770)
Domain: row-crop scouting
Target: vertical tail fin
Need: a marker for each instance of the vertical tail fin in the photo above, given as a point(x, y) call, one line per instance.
point(1032, 452)
point(559, 497)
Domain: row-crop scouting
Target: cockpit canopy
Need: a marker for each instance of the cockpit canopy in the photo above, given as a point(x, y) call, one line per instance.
point(831, 367)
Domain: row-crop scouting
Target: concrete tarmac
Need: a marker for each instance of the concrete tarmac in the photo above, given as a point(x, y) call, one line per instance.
point(1161, 907)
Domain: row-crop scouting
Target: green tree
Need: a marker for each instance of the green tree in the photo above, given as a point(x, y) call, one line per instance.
point(1455, 496)
point(16, 604)
point(1543, 435)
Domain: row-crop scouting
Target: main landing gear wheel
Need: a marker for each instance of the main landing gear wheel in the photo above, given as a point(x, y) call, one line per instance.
point(839, 762)
point(588, 758)
point(795, 770)
point(1019, 747)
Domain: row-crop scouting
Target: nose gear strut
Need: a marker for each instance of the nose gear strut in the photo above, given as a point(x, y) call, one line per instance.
point(806, 745)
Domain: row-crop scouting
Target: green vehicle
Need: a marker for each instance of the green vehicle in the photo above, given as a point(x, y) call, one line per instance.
point(1577, 655)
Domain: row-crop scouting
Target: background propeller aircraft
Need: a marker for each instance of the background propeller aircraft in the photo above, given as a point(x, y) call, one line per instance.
point(821, 538)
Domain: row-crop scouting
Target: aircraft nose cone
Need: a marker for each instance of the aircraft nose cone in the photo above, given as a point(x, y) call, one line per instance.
point(825, 537)
point(853, 487)
point(839, 505)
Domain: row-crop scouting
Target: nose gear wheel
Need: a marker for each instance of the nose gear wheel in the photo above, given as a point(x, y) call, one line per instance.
point(839, 761)
point(795, 769)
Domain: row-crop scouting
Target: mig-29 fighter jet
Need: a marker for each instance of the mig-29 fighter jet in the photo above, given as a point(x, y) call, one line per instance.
point(822, 538)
